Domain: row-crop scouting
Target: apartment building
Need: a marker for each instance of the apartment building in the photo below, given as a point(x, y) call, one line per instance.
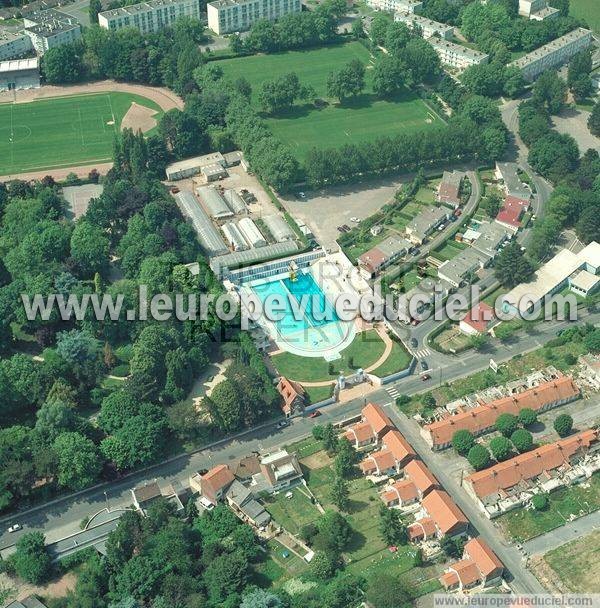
point(13, 46)
point(50, 28)
point(537, 10)
point(226, 16)
point(149, 17)
point(397, 6)
point(455, 55)
point(428, 27)
point(554, 54)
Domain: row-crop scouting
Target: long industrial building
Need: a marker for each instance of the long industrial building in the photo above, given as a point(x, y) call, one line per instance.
point(208, 235)
point(149, 17)
point(553, 54)
point(251, 232)
point(235, 202)
point(234, 237)
point(226, 16)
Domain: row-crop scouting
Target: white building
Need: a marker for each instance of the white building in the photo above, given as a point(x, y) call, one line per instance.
point(20, 74)
point(151, 16)
point(455, 55)
point(537, 10)
point(251, 232)
point(226, 16)
point(13, 46)
point(427, 26)
point(397, 6)
point(51, 28)
point(553, 54)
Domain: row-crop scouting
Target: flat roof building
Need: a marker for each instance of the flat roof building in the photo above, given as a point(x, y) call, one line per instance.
point(382, 255)
point(189, 167)
point(490, 237)
point(149, 17)
point(428, 26)
point(226, 16)
point(508, 174)
point(456, 55)
point(449, 188)
point(13, 45)
point(457, 270)
point(395, 6)
point(554, 54)
point(19, 74)
point(537, 10)
point(50, 28)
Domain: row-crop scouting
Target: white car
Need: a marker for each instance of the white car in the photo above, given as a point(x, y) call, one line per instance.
point(354, 219)
point(15, 528)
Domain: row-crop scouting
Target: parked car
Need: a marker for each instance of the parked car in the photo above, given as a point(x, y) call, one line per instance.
point(340, 229)
point(315, 414)
point(424, 364)
point(282, 424)
point(354, 219)
point(345, 228)
point(425, 377)
point(174, 190)
point(414, 342)
point(15, 528)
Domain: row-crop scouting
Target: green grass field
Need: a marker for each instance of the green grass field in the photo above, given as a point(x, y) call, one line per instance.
point(62, 131)
point(306, 126)
point(588, 10)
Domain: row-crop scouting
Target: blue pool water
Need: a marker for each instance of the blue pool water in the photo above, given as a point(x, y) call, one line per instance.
point(316, 308)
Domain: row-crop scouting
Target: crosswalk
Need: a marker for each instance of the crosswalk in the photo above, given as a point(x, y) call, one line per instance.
point(393, 392)
point(423, 352)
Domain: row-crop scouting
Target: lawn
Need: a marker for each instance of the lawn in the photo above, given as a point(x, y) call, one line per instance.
point(62, 131)
point(587, 10)
point(398, 360)
point(522, 524)
point(577, 565)
point(365, 349)
point(331, 125)
point(292, 513)
point(450, 250)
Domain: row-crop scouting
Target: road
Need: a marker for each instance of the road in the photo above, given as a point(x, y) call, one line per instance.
point(60, 518)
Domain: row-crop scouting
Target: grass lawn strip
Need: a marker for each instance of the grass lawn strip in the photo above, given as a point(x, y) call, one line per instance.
point(397, 360)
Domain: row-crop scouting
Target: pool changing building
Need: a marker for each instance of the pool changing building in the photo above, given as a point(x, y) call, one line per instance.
point(20, 74)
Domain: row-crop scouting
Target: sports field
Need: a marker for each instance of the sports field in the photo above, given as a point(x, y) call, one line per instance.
point(588, 10)
point(62, 131)
point(306, 126)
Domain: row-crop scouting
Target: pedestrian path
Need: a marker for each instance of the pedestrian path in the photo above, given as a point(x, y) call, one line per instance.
point(422, 352)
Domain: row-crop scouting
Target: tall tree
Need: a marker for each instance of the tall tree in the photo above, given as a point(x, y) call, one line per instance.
point(512, 267)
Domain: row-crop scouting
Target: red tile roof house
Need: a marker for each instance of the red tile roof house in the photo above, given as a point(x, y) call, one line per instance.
point(511, 211)
point(417, 482)
point(214, 484)
point(479, 566)
point(395, 453)
point(447, 518)
point(481, 419)
point(292, 394)
point(508, 484)
point(449, 188)
point(374, 424)
point(478, 320)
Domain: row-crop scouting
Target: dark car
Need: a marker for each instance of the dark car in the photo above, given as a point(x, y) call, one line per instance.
point(424, 365)
point(315, 414)
point(425, 377)
point(414, 342)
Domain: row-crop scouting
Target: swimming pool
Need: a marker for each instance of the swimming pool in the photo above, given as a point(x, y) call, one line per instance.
point(309, 324)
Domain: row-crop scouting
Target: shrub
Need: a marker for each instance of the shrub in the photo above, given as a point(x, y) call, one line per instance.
point(540, 502)
point(563, 425)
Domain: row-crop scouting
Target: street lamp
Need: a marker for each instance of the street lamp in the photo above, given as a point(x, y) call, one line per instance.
point(107, 504)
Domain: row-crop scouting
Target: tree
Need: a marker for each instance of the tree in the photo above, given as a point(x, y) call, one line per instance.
point(379, 28)
point(424, 62)
point(554, 156)
point(78, 461)
point(281, 93)
point(89, 249)
point(349, 81)
point(62, 65)
point(31, 560)
point(592, 341)
point(330, 440)
point(588, 225)
point(225, 575)
point(580, 66)
point(339, 493)
point(540, 502)
point(563, 425)
point(334, 532)
point(53, 418)
point(507, 424)
point(463, 441)
point(225, 404)
point(391, 528)
point(181, 133)
point(527, 417)
point(478, 341)
point(522, 440)
point(261, 598)
point(478, 457)
point(512, 267)
point(501, 448)
point(94, 8)
point(324, 565)
point(492, 204)
point(388, 591)
point(389, 75)
point(358, 31)
point(550, 92)
point(345, 458)
point(594, 120)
